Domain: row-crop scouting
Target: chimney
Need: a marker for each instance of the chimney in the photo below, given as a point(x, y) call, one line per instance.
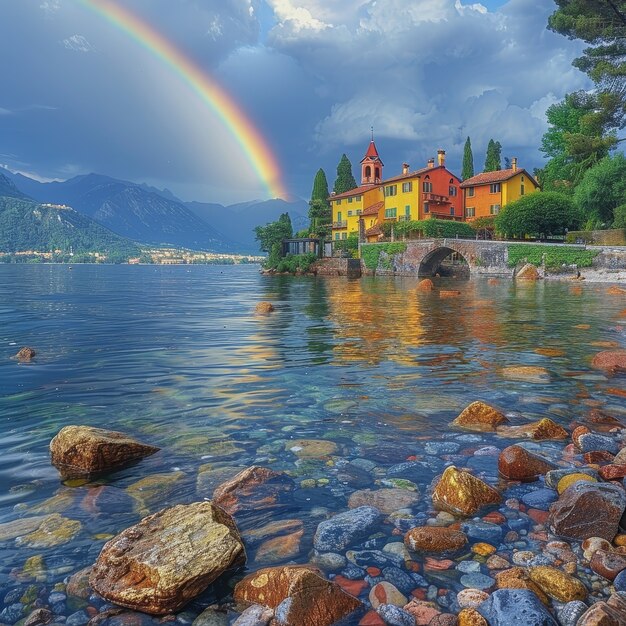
point(514, 164)
point(405, 168)
point(441, 157)
point(431, 162)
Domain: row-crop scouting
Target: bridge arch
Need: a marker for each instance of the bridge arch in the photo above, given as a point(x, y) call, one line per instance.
point(432, 260)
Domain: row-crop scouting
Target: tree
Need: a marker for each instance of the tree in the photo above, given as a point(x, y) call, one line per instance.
point(493, 160)
point(320, 212)
point(345, 180)
point(602, 190)
point(468, 161)
point(538, 215)
point(273, 233)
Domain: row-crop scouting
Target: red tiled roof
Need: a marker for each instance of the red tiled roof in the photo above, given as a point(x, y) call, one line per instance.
point(373, 209)
point(372, 151)
point(357, 191)
point(423, 170)
point(374, 230)
point(498, 176)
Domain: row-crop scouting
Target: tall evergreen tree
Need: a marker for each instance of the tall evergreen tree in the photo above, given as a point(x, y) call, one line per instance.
point(320, 187)
point(345, 180)
point(468, 161)
point(493, 160)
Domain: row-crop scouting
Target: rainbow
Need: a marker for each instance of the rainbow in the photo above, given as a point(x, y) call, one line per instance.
point(253, 144)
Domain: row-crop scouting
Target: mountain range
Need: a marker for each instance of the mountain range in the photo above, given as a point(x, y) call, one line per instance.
point(153, 216)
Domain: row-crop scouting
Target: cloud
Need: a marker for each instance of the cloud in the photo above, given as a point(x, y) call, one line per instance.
point(5, 111)
point(296, 19)
point(77, 43)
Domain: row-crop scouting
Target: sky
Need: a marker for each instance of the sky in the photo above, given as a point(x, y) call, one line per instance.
point(79, 95)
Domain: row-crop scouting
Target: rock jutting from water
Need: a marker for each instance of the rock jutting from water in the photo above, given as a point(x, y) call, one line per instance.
point(26, 354)
point(84, 451)
point(480, 416)
point(167, 559)
point(263, 308)
point(517, 463)
point(460, 493)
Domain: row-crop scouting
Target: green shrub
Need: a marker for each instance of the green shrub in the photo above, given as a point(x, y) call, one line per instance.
point(555, 256)
point(428, 228)
point(579, 235)
point(370, 253)
point(293, 263)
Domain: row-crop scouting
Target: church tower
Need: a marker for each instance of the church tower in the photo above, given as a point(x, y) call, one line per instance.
point(371, 165)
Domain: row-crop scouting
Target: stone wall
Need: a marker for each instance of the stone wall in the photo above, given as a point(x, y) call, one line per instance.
point(337, 267)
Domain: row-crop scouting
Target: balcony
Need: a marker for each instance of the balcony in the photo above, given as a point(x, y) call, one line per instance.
point(404, 218)
point(435, 198)
point(338, 225)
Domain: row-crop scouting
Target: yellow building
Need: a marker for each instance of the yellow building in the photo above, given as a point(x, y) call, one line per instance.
point(485, 194)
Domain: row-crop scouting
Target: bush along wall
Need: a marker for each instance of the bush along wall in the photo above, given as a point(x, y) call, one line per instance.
point(371, 254)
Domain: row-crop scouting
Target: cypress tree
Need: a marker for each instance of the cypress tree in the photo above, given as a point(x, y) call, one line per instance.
point(493, 160)
point(320, 187)
point(468, 161)
point(345, 180)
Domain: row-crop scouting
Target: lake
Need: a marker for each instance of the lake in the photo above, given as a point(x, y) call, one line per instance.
point(177, 357)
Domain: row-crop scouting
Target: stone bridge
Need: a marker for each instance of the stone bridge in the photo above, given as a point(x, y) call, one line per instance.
point(424, 256)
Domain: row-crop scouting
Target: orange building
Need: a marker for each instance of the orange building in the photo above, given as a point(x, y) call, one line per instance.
point(485, 194)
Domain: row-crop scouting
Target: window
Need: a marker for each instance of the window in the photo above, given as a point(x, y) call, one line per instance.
point(426, 207)
point(391, 190)
point(494, 209)
point(359, 211)
point(349, 213)
point(470, 192)
point(338, 216)
point(368, 172)
point(427, 187)
point(451, 191)
point(407, 210)
point(522, 179)
point(451, 210)
point(390, 213)
point(357, 199)
point(349, 200)
point(338, 202)
point(521, 189)
point(377, 173)
point(407, 187)
point(344, 235)
point(470, 211)
point(336, 235)
point(494, 188)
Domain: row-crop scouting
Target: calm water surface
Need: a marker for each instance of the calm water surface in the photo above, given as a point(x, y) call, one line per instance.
point(176, 357)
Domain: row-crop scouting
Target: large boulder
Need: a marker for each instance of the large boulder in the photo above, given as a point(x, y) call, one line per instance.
point(434, 539)
point(299, 595)
point(253, 489)
point(480, 416)
point(587, 509)
point(85, 451)
point(517, 463)
point(460, 493)
point(539, 430)
point(168, 558)
point(515, 607)
point(610, 360)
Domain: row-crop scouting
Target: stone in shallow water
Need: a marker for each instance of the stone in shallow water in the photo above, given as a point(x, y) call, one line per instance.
point(471, 617)
point(386, 500)
point(526, 373)
point(553, 477)
point(441, 447)
point(434, 539)
point(540, 499)
point(169, 558)
point(570, 613)
point(386, 593)
point(480, 416)
point(477, 581)
point(395, 616)
point(279, 548)
point(84, 451)
point(592, 441)
point(539, 430)
point(588, 510)
point(557, 584)
point(570, 479)
point(482, 531)
point(460, 493)
point(516, 463)
point(517, 578)
point(311, 448)
point(210, 477)
point(608, 564)
point(150, 491)
point(255, 615)
point(48, 531)
point(340, 531)
point(515, 607)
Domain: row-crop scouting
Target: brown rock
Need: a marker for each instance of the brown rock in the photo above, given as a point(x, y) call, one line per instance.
point(517, 578)
point(610, 360)
point(252, 489)
point(449, 293)
point(528, 272)
point(542, 429)
point(254, 536)
point(168, 558)
point(516, 463)
point(607, 564)
point(613, 472)
point(460, 493)
point(84, 451)
point(425, 285)
point(618, 601)
point(25, 354)
point(385, 500)
point(620, 457)
point(598, 456)
point(263, 308)
point(299, 594)
point(577, 433)
point(600, 614)
point(526, 373)
point(39, 617)
point(423, 612)
point(434, 539)
point(479, 416)
point(386, 593)
point(78, 584)
point(588, 509)
point(557, 584)
point(445, 619)
point(280, 548)
point(471, 617)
